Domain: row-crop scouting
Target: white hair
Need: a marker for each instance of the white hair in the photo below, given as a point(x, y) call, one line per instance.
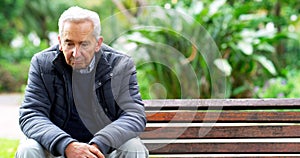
point(78, 14)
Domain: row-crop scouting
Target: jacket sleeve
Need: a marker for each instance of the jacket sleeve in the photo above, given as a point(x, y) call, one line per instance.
point(132, 120)
point(35, 110)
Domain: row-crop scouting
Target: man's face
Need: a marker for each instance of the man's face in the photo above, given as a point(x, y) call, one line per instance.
point(78, 43)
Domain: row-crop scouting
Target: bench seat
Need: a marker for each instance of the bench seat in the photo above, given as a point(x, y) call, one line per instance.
point(223, 128)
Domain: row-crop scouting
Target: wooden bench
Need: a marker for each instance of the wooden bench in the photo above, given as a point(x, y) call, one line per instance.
point(223, 128)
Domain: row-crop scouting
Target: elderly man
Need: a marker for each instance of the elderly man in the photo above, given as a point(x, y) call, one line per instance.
point(82, 97)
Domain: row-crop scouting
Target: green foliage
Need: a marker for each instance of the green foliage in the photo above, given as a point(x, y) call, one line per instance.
point(164, 66)
point(8, 147)
point(10, 10)
point(256, 41)
point(143, 84)
point(13, 76)
point(14, 65)
point(249, 35)
point(41, 16)
point(281, 87)
point(27, 16)
point(244, 42)
point(24, 52)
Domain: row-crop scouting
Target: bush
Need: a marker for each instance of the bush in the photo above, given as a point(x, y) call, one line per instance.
point(281, 87)
point(14, 65)
point(13, 75)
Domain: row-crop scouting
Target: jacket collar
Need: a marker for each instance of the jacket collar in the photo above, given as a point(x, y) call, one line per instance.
point(59, 62)
point(104, 68)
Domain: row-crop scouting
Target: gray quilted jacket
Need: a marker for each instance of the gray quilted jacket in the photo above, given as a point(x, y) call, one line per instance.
point(48, 100)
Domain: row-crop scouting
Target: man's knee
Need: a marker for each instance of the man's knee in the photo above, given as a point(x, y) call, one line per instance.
point(133, 148)
point(134, 145)
point(29, 148)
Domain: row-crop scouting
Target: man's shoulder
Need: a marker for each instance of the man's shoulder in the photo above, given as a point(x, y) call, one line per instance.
point(50, 52)
point(44, 59)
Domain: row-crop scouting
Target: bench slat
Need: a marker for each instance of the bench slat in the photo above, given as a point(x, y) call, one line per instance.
point(222, 103)
point(193, 148)
point(226, 155)
point(224, 116)
point(278, 131)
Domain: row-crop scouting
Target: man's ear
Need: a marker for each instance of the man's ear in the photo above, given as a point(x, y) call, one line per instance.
point(59, 42)
point(99, 43)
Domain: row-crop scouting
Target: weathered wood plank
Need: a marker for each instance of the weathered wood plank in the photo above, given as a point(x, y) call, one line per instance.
point(222, 103)
point(280, 131)
point(223, 148)
point(286, 155)
point(224, 116)
point(226, 155)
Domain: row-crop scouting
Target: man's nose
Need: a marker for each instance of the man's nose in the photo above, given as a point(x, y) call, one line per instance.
point(75, 51)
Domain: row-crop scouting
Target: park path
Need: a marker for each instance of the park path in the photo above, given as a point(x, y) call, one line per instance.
point(9, 114)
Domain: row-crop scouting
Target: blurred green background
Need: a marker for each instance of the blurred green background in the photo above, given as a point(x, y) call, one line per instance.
point(257, 41)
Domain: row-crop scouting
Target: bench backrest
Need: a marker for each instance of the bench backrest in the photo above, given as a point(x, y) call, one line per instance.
point(223, 126)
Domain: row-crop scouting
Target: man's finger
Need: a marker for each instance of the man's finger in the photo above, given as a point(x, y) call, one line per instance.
point(96, 151)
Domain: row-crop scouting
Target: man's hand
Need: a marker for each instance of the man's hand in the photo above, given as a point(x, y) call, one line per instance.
point(79, 150)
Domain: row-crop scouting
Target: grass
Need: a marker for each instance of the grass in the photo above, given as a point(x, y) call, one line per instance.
point(8, 147)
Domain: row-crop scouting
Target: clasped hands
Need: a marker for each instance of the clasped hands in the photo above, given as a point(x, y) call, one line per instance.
point(83, 150)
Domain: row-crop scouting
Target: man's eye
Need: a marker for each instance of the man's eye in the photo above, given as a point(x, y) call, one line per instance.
point(84, 44)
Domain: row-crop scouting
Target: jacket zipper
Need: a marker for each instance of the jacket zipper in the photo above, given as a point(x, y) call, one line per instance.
point(100, 84)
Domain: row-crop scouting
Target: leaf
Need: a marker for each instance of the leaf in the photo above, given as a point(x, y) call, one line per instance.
point(240, 89)
point(266, 63)
point(266, 47)
point(139, 38)
point(245, 47)
point(215, 5)
point(224, 66)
